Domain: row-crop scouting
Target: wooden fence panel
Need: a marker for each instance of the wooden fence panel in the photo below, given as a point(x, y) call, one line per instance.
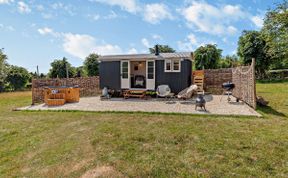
point(244, 80)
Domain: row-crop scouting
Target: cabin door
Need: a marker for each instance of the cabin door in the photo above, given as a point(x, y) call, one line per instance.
point(125, 74)
point(150, 75)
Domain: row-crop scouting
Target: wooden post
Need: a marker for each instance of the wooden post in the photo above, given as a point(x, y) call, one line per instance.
point(67, 73)
point(32, 87)
point(254, 83)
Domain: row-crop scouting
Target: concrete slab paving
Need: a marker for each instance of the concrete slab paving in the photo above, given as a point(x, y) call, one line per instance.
point(213, 106)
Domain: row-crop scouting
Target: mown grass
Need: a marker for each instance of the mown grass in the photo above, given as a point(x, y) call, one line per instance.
point(67, 144)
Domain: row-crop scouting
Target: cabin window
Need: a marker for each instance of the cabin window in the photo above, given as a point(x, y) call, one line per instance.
point(176, 65)
point(172, 65)
point(167, 65)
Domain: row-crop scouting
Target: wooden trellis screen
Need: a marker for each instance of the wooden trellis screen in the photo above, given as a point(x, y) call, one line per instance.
point(244, 80)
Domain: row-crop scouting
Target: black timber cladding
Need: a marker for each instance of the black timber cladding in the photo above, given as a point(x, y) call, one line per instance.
point(110, 75)
point(177, 81)
point(109, 72)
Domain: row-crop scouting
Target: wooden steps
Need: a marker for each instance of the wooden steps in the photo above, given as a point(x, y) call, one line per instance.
point(55, 102)
point(198, 79)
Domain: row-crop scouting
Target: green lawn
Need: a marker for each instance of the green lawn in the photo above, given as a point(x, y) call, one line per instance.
point(68, 144)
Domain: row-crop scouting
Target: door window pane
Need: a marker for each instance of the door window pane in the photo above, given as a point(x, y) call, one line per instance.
point(124, 75)
point(125, 70)
point(150, 70)
point(150, 76)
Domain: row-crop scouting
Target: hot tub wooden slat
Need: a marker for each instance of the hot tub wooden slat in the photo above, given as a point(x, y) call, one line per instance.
point(69, 94)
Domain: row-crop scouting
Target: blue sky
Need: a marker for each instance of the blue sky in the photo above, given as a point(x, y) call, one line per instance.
point(35, 32)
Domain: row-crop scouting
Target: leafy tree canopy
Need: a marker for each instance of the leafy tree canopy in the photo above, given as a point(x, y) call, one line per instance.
point(207, 57)
point(3, 69)
point(17, 77)
point(275, 30)
point(91, 64)
point(80, 72)
point(252, 45)
point(229, 61)
point(162, 49)
point(58, 69)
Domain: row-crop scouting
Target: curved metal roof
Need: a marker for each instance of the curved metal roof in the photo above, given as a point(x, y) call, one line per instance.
point(161, 56)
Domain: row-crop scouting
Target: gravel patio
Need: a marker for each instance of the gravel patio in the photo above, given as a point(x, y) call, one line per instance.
point(213, 106)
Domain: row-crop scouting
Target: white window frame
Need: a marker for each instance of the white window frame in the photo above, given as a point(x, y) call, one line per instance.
point(171, 61)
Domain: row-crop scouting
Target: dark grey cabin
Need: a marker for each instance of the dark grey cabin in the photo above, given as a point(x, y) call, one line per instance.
point(146, 71)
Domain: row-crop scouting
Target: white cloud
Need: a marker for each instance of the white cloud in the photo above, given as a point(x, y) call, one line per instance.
point(211, 19)
point(232, 30)
point(258, 21)
point(7, 28)
point(23, 7)
point(132, 51)
point(112, 15)
point(63, 7)
point(81, 45)
point(157, 37)
point(47, 15)
point(127, 5)
point(192, 39)
point(189, 44)
point(6, 1)
point(234, 11)
point(40, 7)
point(146, 43)
point(154, 13)
point(94, 17)
point(48, 31)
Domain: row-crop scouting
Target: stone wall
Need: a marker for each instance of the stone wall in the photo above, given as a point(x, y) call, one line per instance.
point(89, 86)
point(214, 78)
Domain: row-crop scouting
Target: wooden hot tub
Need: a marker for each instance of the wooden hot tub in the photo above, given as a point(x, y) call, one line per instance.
point(56, 96)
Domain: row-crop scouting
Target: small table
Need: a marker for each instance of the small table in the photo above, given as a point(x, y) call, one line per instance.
point(135, 93)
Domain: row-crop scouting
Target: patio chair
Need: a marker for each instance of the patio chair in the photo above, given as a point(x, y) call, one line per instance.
point(188, 92)
point(164, 91)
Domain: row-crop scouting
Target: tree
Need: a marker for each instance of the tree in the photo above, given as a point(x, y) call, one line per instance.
point(3, 69)
point(80, 72)
point(228, 62)
point(162, 49)
point(17, 77)
point(58, 69)
point(252, 45)
point(207, 57)
point(275, 30)
point(91, 64)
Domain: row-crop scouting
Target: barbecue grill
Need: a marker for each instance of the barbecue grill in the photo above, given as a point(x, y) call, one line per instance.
point(228, 88)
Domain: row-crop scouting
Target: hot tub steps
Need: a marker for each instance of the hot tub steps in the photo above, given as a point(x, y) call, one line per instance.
point(55, 102)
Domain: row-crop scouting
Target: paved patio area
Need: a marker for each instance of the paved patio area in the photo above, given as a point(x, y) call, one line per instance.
point(213, 106)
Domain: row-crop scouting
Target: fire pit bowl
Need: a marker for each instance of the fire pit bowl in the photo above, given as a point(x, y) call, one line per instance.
point(200, 102)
